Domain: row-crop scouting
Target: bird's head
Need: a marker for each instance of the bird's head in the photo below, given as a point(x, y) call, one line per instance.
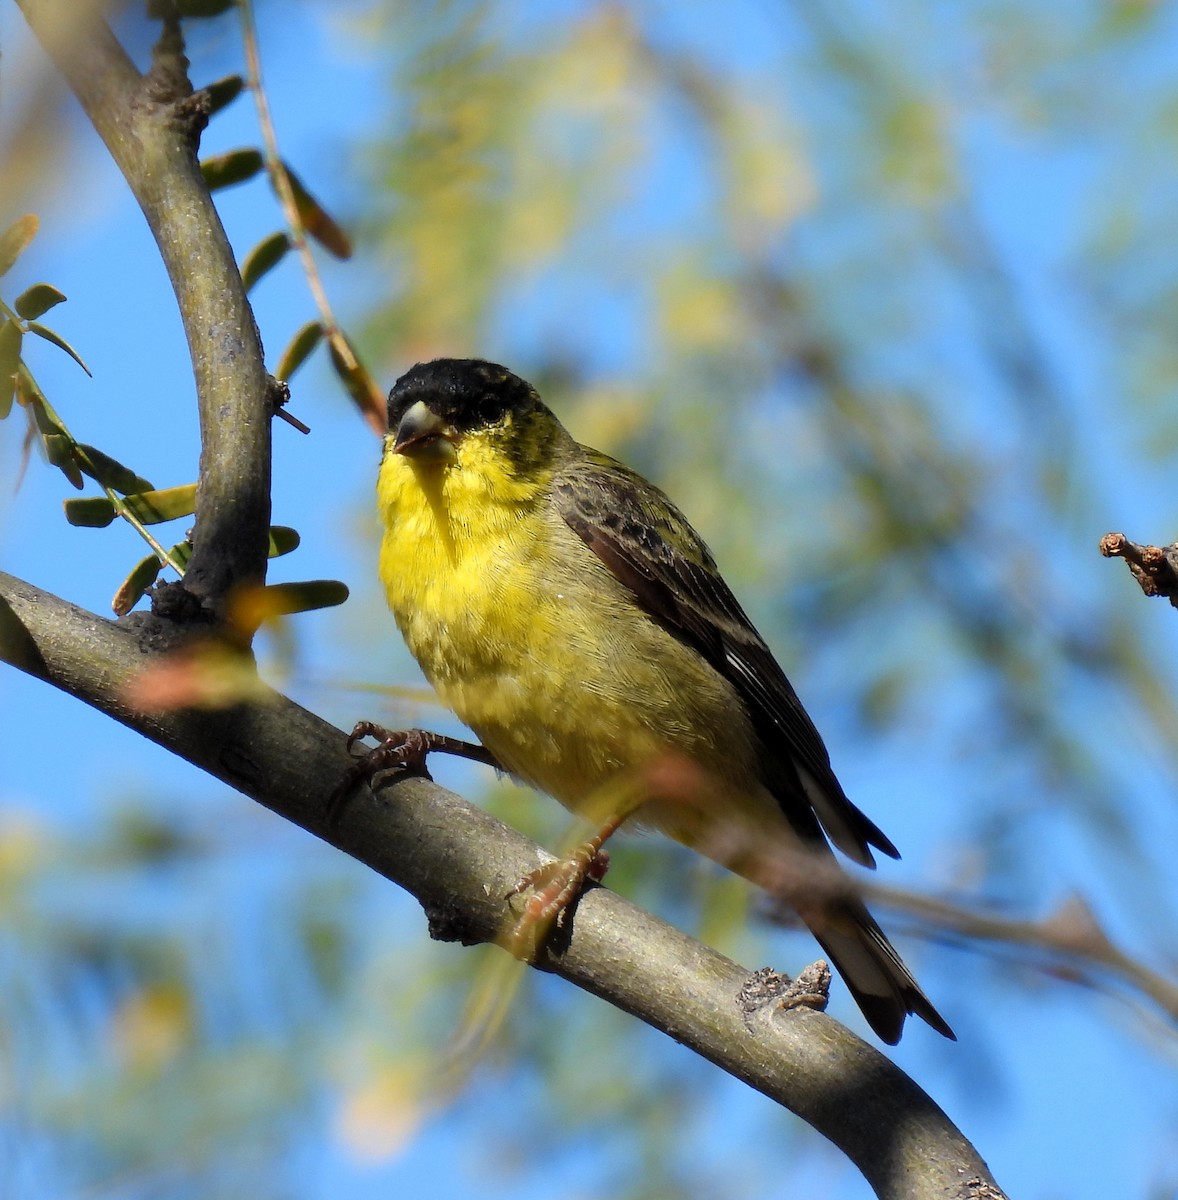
point(440, 411)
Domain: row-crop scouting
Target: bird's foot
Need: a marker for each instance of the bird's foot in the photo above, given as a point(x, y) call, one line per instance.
point(554, 887)
point(557, 883)
point(401, 749)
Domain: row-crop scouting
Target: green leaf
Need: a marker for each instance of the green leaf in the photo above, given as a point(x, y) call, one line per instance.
point(50, 336)
point(266, 255)
point(285, 598)
point(180, 553)
point(359, 384)
point(316, 220)
point(38, 299)
point(300, 347)
point(29, 394)
point(43, 414)
point(222, 92)
point(283, 540)
point(143, 574)
point(15, 238)
point(10, 340)
point(150, 508)
point(89, 512)
point(59, 449)
point(109, 472)
point(225, 170)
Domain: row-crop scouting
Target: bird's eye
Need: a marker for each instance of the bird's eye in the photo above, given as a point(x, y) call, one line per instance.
point(490, 408)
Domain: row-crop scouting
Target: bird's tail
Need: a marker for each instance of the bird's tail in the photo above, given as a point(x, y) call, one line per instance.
point(882, 985)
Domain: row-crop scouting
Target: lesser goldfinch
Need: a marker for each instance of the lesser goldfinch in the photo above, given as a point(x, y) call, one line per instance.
point(566, 611)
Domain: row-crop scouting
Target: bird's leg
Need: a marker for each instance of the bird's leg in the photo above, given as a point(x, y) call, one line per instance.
point(558, 884)
point(406, 749)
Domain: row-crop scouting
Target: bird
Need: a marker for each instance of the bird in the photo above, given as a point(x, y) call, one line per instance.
point(566, 611)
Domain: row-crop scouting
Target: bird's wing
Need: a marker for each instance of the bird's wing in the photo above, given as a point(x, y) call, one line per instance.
point(647, 544)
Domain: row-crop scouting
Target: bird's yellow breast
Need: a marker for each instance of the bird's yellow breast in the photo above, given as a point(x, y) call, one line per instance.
point(462, 562)
point(527, 636)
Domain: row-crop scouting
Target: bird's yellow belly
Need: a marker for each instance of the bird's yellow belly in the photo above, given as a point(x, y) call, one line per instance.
point(562, 677)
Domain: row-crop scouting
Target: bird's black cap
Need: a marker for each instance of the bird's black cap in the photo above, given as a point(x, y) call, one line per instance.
point(465, 392)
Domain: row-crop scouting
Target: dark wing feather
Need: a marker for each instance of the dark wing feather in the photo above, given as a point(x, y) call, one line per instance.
point(647, 544)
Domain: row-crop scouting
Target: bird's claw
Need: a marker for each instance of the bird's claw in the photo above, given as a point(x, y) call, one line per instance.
point(403, 749)
point(555, 886)
point(557, 883)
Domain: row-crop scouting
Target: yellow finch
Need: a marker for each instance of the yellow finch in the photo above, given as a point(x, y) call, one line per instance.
point(567, 612)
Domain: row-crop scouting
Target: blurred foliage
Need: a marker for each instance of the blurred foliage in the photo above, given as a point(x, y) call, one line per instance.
point(769, 259)
point(825, 348)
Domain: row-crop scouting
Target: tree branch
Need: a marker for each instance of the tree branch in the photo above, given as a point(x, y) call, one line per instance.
point(459, 861)
point(1154, 567)
point(151, 125)
point(456, 859)
point(1074, 945)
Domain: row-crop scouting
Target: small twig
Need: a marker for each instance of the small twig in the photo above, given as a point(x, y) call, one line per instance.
point(157, 548)
point(1154, 567)
point(1071, 932)
point(280, 180)
point(280, 396)
point(274, 167)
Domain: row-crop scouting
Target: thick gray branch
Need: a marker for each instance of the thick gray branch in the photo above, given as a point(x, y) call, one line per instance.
point(150, 124)
point(459, 861)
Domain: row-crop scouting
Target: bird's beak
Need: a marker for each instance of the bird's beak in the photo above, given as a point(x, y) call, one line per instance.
point(423, 435)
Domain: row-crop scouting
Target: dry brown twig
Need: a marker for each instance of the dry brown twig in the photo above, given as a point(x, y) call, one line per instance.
point(1077, 946)
point(1154, 567)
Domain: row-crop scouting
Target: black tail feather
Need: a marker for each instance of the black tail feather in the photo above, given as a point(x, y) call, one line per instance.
point(881, 984)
